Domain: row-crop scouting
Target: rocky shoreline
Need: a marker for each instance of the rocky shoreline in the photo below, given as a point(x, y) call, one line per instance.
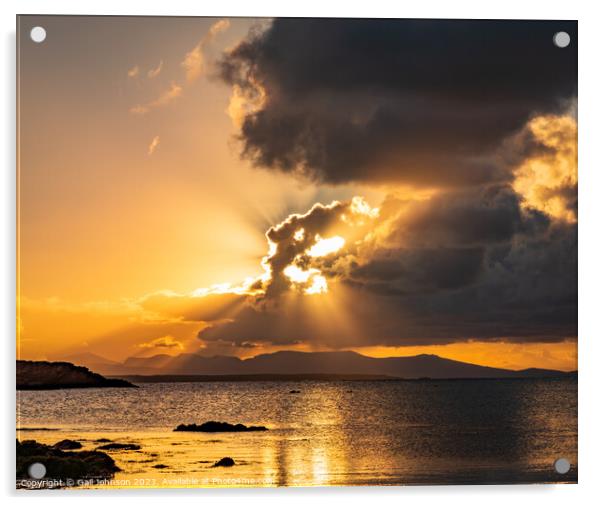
point(63, 465)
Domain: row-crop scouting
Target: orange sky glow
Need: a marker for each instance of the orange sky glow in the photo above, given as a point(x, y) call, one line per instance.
point(136, 211)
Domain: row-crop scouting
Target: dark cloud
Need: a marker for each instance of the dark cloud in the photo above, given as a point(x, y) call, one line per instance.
point(423, 102)
point(524, 290)
point(493, 270)
point(472, 264)
point(509, 302)
point(474, 110)
point(422, 270)
point(467, 217)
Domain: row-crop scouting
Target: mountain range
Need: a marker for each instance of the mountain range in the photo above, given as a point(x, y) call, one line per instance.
point(303, 363)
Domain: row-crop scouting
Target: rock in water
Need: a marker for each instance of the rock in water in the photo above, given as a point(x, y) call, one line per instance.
point(225, 462)
point(216, 426)
point(119, 447)
point(67, 445)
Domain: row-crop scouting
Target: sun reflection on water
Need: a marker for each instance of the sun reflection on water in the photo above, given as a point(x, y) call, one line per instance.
point(331, 433)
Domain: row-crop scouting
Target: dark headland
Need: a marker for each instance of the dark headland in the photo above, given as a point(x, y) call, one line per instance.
point(62, 375)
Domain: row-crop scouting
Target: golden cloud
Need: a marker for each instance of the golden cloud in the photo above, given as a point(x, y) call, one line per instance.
point(194, 61)
point(134, 71)
point(154, 72)
point(166, 97)
point(153, 145)
point(167, 342)
point(547, 180)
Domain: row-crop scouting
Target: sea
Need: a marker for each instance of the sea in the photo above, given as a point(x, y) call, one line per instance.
point(320, 433)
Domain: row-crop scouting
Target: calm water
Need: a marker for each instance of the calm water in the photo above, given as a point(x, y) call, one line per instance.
point(332, 433)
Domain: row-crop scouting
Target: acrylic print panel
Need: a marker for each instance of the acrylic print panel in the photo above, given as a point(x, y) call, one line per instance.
point(296, 252)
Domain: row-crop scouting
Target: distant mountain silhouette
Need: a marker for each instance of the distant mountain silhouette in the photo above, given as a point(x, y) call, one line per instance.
point(304, 363)
point(89, 359)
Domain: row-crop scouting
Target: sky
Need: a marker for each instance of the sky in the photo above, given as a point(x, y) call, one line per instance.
point(242, 186)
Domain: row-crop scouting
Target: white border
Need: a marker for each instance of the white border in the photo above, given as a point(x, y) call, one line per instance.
point(590, 182)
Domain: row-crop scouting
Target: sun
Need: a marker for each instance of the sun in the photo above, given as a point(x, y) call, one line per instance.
point(325, 246)
point(311, 280)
